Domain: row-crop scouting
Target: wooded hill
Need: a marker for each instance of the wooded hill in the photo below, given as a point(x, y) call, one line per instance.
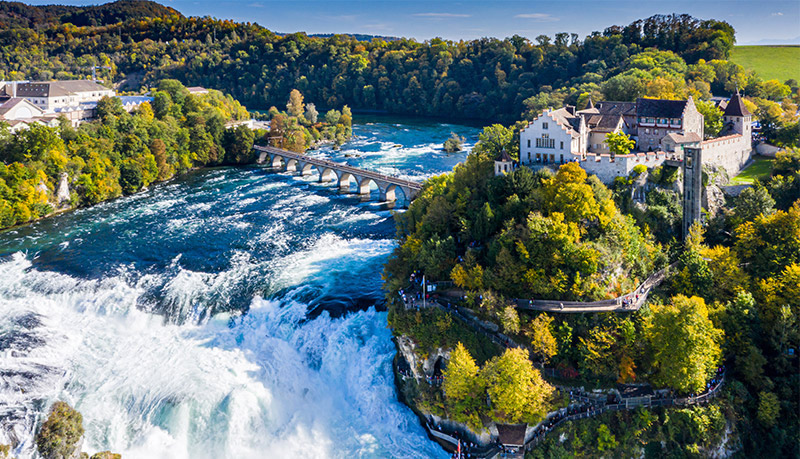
point(486, 78)
point(17, 14)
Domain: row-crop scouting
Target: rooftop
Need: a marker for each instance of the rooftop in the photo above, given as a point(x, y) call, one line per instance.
point(660, 108)
point(57, 88)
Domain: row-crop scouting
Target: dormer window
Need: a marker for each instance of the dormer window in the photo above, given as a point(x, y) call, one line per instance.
point(544, 126)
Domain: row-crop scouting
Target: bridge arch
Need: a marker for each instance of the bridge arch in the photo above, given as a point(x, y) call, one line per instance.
point(344, 180)
point(326, 174)
point(277, 162)
point(363, 185)
point(291, 165)
point(389, 192)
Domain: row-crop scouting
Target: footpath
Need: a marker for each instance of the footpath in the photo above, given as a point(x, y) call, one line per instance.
point(582, 404)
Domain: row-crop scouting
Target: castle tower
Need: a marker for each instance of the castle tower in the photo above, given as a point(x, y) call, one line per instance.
point(737, 118)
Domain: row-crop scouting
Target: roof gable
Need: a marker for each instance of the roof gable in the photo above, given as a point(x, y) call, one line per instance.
point(736, 107)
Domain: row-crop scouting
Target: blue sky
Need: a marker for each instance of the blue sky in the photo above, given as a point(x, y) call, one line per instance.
point(754, 20)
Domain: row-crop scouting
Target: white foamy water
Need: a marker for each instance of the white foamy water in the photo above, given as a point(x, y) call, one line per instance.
point(269, 384)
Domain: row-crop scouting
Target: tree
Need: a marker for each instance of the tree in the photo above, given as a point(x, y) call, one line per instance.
point(752, 202)
point(454, 143)
point(712, 118)
point(769, 408)
point(543, 343)
point(509, 319)
point(463, 386)
point(60, 433)
point(496, 138)
point(311, 113)
point(131, 176)
point(685, 344)
point(159, 151)
point(619, 143)
point(295, 106)
point(517, 392)
point(770, 242)
point(238, 144)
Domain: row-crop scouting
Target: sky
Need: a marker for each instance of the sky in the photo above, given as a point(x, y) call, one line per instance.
point(755, 21)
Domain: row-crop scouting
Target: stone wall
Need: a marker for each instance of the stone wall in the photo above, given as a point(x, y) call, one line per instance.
point(730, 152)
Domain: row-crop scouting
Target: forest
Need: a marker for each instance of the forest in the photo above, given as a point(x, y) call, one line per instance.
point(729, 299)
point(120, 152)
point(502, 80)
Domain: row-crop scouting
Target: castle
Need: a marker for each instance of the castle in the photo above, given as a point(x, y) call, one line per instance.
point(660, 128)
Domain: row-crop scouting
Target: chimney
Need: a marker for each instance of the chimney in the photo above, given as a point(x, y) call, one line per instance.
point(13, 89)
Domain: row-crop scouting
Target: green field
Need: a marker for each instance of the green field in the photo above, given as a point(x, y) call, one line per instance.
point(769, 62)
point(761, 167)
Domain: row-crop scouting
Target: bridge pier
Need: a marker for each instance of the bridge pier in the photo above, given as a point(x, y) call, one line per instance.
point(363, 185)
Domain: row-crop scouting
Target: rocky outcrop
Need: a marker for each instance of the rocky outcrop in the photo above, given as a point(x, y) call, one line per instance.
point(62, 195)
point(420, 367)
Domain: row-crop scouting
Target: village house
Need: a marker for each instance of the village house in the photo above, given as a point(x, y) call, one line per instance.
point(660, 128)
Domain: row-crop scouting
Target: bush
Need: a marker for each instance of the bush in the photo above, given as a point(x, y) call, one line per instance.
point(61, 433)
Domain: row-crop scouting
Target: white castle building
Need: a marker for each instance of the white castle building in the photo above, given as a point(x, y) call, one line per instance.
point(661, 129)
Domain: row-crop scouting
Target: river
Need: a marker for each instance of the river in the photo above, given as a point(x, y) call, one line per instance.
point(232, 312)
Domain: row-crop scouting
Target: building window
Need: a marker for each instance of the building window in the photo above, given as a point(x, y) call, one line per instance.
point(529, 153)
point(544, 125)
point(647, 131)
point(562, 145)
point(545, 142)
point(529, 143)
point(655, 131)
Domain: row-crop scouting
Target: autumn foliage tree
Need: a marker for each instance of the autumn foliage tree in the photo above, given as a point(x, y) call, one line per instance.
point(685, 344)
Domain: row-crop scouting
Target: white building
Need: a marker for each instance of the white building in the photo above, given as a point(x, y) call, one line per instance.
point(660, 128)
point(50, 96)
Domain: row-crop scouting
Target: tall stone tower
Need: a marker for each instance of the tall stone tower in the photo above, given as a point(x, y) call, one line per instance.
point(737, 118)
point(692, 187)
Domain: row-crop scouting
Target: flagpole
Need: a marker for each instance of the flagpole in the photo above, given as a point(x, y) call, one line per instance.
point(424, 291)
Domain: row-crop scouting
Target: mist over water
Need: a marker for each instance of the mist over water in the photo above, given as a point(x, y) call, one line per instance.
point(228, 313)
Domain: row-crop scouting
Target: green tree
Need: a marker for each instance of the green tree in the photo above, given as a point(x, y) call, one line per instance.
point(238, 144)
point(685, 344)
point(539, 331)
point(463, 386)
point(619, 143)
point(712, 118)
point(59, 436)
point(752, 202)
point(769, 408)
point(454, 143)
point(517, 392)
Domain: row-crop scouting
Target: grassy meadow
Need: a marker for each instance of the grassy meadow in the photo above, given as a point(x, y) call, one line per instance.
point(770, 62)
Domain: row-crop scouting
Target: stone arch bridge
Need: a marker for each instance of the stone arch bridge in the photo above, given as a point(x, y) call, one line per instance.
point(330, 171)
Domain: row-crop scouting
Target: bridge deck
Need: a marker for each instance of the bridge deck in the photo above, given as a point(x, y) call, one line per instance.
point(341, 167)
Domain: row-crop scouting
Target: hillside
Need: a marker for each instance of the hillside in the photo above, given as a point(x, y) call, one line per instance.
point(488, 78)
point(17, 14)
point(770, 62)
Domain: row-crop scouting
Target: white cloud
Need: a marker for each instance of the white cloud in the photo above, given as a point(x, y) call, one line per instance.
point(442, 15)
point(777, 14)
point(537, 17)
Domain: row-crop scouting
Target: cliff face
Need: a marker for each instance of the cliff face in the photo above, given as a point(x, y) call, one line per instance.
point(420, 367)
point(62, 194)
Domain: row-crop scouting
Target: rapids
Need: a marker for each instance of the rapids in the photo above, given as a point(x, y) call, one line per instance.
point(233, 312)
